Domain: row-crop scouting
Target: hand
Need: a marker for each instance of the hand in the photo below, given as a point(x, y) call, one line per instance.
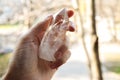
point(38, 32)
point(26, 65)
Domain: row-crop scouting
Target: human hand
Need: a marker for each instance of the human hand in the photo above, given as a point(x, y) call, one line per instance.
point(26, 63)
point(52, 39)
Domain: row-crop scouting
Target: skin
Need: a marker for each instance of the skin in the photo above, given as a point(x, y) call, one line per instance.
point(25, 63)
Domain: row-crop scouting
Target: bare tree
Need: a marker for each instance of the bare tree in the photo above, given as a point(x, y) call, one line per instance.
point(93, 47)
point(78, 10)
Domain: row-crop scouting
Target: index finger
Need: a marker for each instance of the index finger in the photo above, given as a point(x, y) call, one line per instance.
point(63, 15)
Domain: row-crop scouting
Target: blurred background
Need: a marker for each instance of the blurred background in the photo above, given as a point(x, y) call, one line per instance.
point(95, 45)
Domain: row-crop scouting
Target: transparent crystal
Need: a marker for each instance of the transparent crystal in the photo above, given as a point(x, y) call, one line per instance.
point(54, 37)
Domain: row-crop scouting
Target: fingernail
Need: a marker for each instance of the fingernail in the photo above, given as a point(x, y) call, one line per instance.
point(71, 27)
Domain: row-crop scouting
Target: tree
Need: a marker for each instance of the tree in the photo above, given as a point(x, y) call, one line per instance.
point(79, 10)
point(93, 41)
point(89, 31)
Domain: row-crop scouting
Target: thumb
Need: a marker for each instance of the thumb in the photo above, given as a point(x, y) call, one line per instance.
point(41, 27)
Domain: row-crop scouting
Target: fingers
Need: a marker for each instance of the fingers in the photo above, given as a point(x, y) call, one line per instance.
point(66, 56)
point(71, 27)
point(60, 16)
point(61, 60)
point(67, 26)
point(62, 55)
point(41, 27)
point(70, 13)
point(59, 54)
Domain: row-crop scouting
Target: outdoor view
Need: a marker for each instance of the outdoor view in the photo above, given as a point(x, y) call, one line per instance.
point(94, 46)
